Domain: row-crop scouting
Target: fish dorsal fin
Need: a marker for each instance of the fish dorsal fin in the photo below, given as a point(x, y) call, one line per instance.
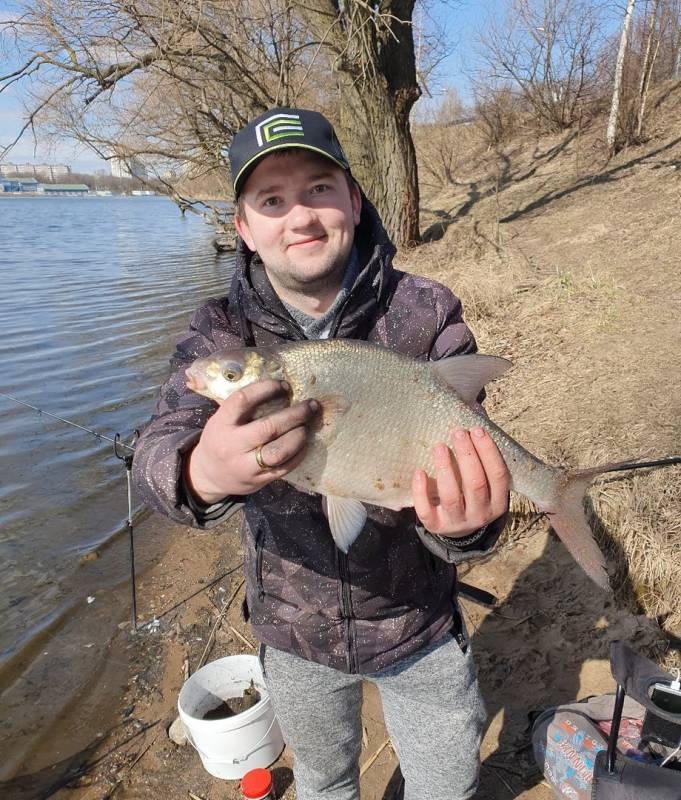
point(346, 519)
point(467, 375)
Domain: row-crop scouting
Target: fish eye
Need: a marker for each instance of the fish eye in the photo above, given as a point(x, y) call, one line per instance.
point(232, 372)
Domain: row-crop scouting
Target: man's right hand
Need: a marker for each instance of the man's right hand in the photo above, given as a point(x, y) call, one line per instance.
point(223, 462)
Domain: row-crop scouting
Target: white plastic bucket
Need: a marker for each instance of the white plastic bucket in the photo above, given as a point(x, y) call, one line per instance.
point(230, 747)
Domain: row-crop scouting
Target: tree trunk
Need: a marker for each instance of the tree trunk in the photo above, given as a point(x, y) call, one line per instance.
point(617, 87)
point(646, 69)
point(381, 151)
point(375, 64)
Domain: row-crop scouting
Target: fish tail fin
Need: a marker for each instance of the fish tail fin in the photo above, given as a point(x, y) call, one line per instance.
point(568, 519)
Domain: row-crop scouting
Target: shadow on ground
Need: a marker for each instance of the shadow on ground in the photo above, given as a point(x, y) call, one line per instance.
point(66, 773)
point(535, 651)
point(46, 782)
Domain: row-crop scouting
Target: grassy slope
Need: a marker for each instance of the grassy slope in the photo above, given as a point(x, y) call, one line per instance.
point(567, 263)
point(571, 270)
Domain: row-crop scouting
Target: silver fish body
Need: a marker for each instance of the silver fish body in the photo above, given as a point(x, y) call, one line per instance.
point(380, 414)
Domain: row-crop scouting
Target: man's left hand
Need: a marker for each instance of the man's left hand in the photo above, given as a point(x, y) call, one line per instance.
point(471, 487)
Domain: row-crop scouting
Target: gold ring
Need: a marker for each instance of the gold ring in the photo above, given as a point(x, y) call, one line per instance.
point(261, 461)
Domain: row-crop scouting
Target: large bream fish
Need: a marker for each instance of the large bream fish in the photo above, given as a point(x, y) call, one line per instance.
point(380, 415)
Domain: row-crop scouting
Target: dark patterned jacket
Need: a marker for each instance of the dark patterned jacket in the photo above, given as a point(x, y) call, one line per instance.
point(394, 592)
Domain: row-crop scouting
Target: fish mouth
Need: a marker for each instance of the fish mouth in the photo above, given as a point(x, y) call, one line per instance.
point(194, 380)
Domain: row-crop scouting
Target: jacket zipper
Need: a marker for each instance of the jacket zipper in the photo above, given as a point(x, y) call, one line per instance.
point(347, 611)
point(258, 563)
point(296, 333)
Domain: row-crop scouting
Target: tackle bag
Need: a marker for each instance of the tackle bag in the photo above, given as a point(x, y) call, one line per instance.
point(613, 747)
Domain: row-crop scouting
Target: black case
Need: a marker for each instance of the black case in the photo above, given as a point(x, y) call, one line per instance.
point(617, 777)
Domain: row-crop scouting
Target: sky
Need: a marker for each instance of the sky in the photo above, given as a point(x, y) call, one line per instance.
point(12, 119)
point(461, 18)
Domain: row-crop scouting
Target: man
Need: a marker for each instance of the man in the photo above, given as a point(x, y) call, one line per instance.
point(314, 261)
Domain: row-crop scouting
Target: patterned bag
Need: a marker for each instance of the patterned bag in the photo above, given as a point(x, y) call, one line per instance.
point(606, 747)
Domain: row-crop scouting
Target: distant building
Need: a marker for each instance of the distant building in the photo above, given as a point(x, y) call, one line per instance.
point(19, 184)
point(50, 172)
point(127, 167)
point(11, 170)
point(63, 188)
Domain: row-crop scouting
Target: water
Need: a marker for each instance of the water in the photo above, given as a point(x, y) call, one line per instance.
point(95, 291)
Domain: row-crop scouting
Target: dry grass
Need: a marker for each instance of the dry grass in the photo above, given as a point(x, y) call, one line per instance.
point(580, 287)
point(487, 276)
point(639, 521)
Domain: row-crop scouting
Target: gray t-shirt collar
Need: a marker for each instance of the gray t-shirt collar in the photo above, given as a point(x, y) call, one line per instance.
point(319, 328)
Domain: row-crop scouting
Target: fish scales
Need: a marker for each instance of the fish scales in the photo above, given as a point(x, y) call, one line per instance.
point(398, 408)
point(395, 412)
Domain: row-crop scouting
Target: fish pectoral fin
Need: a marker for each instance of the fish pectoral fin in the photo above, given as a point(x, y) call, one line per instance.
point(467, 375)
point(346, 519)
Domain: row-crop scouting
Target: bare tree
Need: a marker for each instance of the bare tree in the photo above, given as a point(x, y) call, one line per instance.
point(611, 132)
point(440, 135)
point(497, 113)
point(149, 78)
point(544, 50)
point(172, 80)
point(372, 56)
point(669, 59)
point(652, 47)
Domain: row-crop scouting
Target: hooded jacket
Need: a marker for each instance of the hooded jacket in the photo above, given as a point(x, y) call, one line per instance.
point(395, 590)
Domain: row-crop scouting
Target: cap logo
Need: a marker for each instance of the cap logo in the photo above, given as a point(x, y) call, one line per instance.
point(277, 126)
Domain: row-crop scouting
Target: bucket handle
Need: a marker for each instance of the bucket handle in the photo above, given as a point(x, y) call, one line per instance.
point(204, 757)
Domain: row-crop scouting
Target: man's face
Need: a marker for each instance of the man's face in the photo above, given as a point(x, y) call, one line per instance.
point(299, 215)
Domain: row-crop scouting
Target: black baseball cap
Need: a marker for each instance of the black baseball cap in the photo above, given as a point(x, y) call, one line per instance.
point(279, 129)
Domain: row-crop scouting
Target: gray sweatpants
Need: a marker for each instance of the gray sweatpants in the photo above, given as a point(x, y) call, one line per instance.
point(432, 708)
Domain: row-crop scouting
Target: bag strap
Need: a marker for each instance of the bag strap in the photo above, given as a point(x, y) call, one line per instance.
point(615, 727)
point(476, 594)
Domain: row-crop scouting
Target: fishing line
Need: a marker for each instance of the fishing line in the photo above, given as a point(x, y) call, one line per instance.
point(660, 462)
point(96, 434)
point(127, 459)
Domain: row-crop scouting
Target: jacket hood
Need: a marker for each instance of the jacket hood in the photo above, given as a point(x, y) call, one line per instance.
point(260, 306)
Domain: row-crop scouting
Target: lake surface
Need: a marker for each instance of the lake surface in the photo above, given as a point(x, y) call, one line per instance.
point(95, 291)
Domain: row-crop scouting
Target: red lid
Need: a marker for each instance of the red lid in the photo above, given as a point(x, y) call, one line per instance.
point(256, 784)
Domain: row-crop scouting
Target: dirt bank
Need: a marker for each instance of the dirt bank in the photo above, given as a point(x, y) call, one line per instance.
point(545, 642)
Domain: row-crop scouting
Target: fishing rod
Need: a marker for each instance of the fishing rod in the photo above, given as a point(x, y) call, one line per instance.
point(659, 462)
point(127, 459)
point(116, 441)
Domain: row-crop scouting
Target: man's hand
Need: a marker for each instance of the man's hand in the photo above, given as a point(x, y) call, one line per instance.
point(224, 460)
point(471, 488)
